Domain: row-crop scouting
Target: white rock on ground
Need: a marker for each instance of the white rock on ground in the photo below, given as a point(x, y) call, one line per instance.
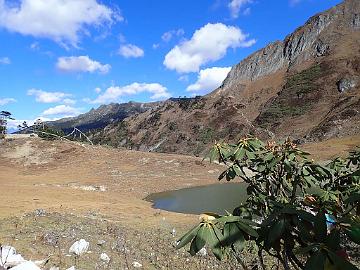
point(9, 257)
point(104, 257)
point(71, 268)
point(136, 264)
point(79, 247)
point(203, 252)
point(29, 265)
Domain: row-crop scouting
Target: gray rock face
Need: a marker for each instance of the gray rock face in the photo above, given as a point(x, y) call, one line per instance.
point(356, 21)
point(322, 48)
point(302, 45)
point(346, 84)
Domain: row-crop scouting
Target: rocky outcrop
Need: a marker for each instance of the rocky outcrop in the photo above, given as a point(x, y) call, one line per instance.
point(346, 84)
point(300, 46)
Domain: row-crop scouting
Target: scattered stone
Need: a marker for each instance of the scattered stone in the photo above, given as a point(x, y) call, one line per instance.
point(9, 257)
point(203, 252)
point(40, 212)
point(54, 268)
point(79, 247)
point(105, 258)
point(101, 242)
point(51, 238)
point(71, 268)
point(345, 84)
point(137, 264)
point(28, 265)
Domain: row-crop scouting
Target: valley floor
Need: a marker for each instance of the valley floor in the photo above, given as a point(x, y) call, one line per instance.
point(97, 193)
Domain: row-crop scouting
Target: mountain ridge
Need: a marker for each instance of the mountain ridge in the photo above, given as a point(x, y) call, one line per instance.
point(305, 87)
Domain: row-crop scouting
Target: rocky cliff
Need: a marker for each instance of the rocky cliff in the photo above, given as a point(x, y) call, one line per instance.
point(306, 43)
point(305, 87)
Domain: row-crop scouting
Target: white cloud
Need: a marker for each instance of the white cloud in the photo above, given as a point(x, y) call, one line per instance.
point(81, 64)
point(97, 90)
point(209, 79)
point(130, 50)
point(113, 93)
point(69, 101)
point(47, 97)
point(4, 101)
point(35, 46)
point(167, 36)
point(5, 61)
point(183, 78)
point(63, 110)
point(208, 44)
point(60, 20)
point(236, 5)
point(13, 124)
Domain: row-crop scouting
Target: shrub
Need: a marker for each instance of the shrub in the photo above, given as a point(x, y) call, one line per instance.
point(297, 211)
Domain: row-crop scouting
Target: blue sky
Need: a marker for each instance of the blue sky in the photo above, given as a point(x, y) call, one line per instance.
point(62, 57)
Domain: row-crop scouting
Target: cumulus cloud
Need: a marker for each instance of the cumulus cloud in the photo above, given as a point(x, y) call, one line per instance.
point(113, 93)
point(97, 90)
point(167, 36)
point(4, 101)
point(60, 20)
point(131, 51)
point(208, 44)
point(209, 79)
point(47, 97)
point(5, 61)
point(236, 5)
point(13, 124)
point(81, 64)
point(69, 101)
point(62, 110)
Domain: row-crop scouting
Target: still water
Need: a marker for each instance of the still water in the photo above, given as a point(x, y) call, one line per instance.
point(196, 200)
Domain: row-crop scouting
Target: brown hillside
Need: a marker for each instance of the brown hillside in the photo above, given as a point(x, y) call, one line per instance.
point(306, 87)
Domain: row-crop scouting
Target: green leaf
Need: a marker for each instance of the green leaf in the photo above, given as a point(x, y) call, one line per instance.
point(240, 153)
point(250, 155)
point(353, 198)
point(320, 226)
point(354, 233)
point(276, 231)
point(287, 166)
point(333, 240)
point(269, 156)
point(238, 170)
point(340, 262)
point(316, 261)
point(199, 241)
point(305, 231)
point(233, 235)
point(214, 154)
point(247, 229)
point(186, 238)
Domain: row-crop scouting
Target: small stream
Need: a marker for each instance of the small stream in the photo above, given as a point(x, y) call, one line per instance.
point(196, 200)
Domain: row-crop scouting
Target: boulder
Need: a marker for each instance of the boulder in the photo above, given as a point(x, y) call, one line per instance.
point(79, 247)
point(346, 84)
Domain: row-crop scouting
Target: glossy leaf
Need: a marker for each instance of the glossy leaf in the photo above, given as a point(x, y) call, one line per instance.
point(186, 238)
